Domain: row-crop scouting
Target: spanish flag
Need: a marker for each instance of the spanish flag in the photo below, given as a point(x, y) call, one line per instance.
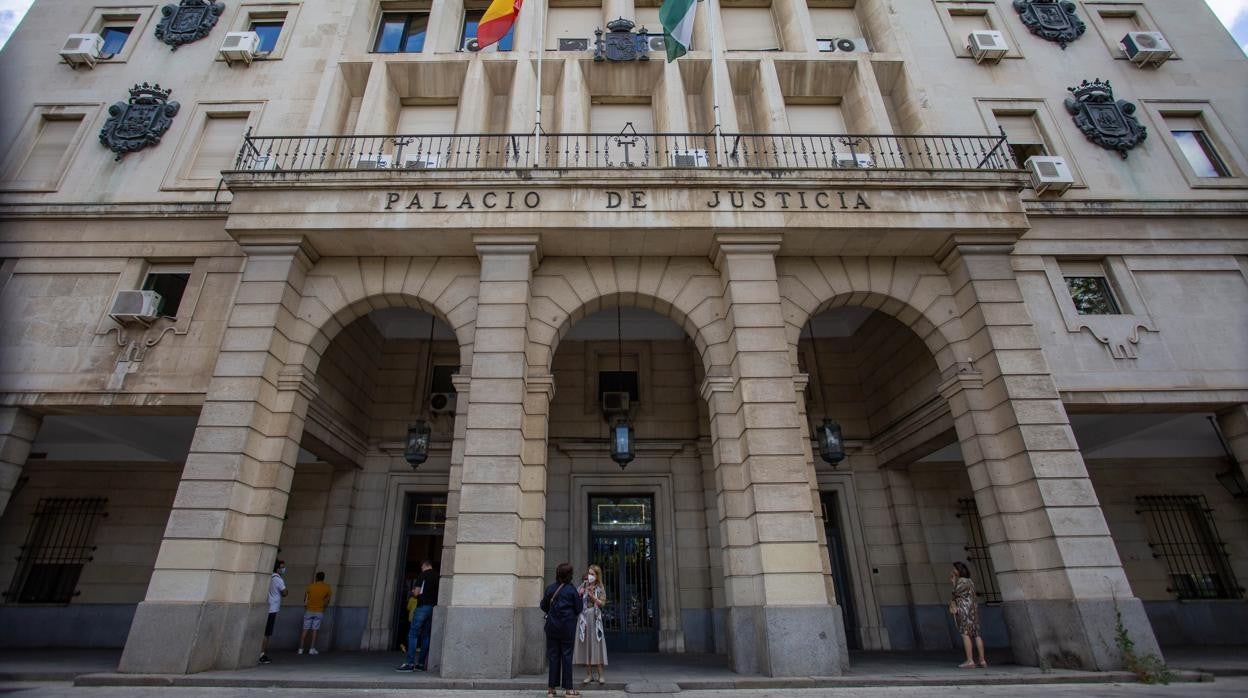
point(497, 21)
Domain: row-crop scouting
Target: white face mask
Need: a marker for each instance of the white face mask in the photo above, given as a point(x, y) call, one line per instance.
point(591, 578)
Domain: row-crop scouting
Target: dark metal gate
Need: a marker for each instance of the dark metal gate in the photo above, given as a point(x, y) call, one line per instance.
point(839, 562)
point(621, 542)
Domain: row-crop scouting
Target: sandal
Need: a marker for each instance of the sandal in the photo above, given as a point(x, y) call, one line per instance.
point(550, 693)
point(588, 680)
point(967, 665)
point(571, 693)
point(982, 665)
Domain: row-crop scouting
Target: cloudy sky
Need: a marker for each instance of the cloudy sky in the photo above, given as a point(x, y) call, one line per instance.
point(1233, 13)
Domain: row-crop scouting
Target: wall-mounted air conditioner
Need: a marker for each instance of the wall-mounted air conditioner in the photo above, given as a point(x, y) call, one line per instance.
point(856, 44)
point(443, 403)
point(854, 160)
point(427, 161)
point(1146, 48)
point(656, 43)
point(264, 162)
point(574, 44)
point(987, 45)
point(373, 161)
point(131, 307)
point(470, 44)
point(1049, 173)
point(240, 46)
point(689, 157)
point(615, 403)
point(82, 49)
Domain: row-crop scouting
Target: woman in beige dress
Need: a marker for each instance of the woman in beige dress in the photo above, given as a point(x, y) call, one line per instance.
point(590, 647)
point(965, 611)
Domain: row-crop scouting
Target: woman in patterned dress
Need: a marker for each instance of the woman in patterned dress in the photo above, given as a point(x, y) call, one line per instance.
point(965, 614)
point(591, 647)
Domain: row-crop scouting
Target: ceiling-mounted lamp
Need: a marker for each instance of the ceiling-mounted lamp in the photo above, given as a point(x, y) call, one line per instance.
point(1233, 479)
point(616, 406)
point(416, 449)
point(827, 434)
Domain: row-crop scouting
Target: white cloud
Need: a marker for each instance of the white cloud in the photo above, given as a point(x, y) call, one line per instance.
point(1228, 10)
point(11, 12)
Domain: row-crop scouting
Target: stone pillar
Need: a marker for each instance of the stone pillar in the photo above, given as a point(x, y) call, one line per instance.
point(927, 596)
point(1059, 572)
point(18, 428)
point(206, 603)
point(493, 628)
point(1234, 426)
point(781, 621)
point(331, 552)
point(455, 477)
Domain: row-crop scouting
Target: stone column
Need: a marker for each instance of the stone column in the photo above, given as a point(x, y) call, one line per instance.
point(1059, 572)
point(927, 596)
point(446, 587)
point(206, 602)
point(18, 428)
point(1234, 426)
point(781, 621)
point(493, 628)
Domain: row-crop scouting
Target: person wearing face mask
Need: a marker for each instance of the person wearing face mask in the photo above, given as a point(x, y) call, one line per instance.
point(590, 648)
point(277, 589)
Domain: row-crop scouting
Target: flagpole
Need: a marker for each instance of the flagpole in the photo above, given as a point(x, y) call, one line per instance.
point(537, 120)
point(718, 130)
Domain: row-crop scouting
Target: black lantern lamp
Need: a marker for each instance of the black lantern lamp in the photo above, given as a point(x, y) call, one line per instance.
point(416, 450)
point(622, 442)
point(831, 446)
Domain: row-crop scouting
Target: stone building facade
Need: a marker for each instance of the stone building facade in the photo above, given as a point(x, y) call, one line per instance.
point(1028, 381)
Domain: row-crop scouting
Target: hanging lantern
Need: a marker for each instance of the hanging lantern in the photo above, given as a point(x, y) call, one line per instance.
point(622, 442)
point(831, 447)
point(417, 449)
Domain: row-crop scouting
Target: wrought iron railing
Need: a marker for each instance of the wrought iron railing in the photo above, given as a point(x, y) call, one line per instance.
point(584, 151)
point(1183, 535)
point(977, 551)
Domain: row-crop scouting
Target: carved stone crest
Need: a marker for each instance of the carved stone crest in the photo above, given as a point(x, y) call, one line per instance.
point(620, 43)
point(141, 122)
point(1108, 123)
point(1054, 20)
point(188, 21)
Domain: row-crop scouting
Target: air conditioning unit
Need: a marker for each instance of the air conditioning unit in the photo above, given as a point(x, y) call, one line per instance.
point(1144, 48)
point(1049, 173)
point(130, 307)
point(854, 160)
point(264, 162)
point(614, 403)
point(443, 403)
point(987, 46)
point(470, 44)
point(689, 157)
point(849, 45)
point(574, 44)
point(240, 46)
point(428, 161)
point(656, 43)
point(371, 161)
point(82, 49)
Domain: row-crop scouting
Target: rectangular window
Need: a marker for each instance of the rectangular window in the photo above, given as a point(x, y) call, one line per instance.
point(1092, 295)
point(749, 29)
point(268, 31)
point(440, 381)
point(57, 548)
point(967, 21)
point(815, 119)
point(977, 552)
point(567, 28)
point(614, 118)
point(468, 33)
point(218, 145)
point(620, 382)
point(169, 280)
point(429, 120)
point(1192, 137)
point(1023, 134)
point(115, 39)
point(835, 23)
point(1182, 534)
point(49, 153)
point(402, 32)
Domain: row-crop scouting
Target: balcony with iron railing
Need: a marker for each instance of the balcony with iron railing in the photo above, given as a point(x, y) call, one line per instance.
point(627, 150)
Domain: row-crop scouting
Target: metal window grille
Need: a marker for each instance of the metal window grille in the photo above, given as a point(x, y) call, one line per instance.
point(1182, 534)
point(57, 547)
point(977, 552)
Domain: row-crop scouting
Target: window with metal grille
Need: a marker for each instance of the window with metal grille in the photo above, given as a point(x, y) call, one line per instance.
point(977, 552)
point(57, 547)
point(1182, 534)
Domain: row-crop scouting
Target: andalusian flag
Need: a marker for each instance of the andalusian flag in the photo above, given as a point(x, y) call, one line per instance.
point(497, 21)
point(677, 19)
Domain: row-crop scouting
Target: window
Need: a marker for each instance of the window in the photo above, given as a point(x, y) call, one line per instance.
point(571, 28)
point(57, 547)
point(169, 280)
point(218, 145)
point(977, 551)
point(835, 23)
point(962, 17)
point(1091, 295)
point(749, 29)
point(1193, 141)
point(620, 382)
point(615, 117)
point(53, 138)
point(1182, 534)
point(1023, 134)
point(402, 32)
point(815, 119)
point(268, 31)
point(115, 39)
point(469, 33)
point(440, 381)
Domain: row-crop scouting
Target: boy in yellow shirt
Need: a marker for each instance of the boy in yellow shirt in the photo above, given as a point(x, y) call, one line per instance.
point(315, 599)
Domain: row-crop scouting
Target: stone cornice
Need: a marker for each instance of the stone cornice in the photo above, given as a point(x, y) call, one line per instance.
point(1136, 207)
point(19, 211)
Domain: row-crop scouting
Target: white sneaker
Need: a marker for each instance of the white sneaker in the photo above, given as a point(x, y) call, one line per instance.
point(313, 651)
point(300, 651)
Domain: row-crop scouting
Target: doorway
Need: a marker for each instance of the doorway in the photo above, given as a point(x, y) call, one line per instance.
point(621, 542)
point(424, 523)
point(838, 560)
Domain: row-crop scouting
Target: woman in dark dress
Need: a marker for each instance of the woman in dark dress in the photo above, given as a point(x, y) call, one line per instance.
point(562, 604)
point(965, 612)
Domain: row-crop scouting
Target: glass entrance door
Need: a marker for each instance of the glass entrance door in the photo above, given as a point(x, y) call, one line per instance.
point(424, 523)
point(839, 561)
point(621, 542)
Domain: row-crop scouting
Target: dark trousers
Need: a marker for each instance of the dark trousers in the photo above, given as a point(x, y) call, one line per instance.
point(418, 635)
point(559, 661)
